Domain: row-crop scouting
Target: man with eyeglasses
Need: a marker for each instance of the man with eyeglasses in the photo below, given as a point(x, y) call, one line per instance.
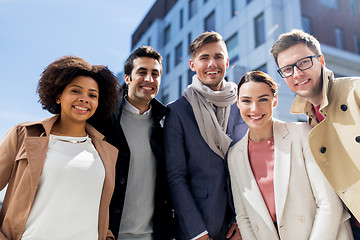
point(333, 109)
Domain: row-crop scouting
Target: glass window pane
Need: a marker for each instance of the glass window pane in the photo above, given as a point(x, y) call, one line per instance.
point(233, 48)
point(178, 54)
point(259, 30)
point(209, 22)
point(339, 38)
point(306, 24)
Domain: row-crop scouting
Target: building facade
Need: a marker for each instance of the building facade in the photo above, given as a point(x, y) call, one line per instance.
point(249, 27)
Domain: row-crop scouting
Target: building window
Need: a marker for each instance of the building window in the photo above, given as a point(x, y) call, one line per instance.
point(339, 35)
point(189, 41)
point(259, 29)
point(178, 54)
point(357, 43)
point(191, 73)
point(306, 24)
point(353, 7)
point(331, 3)
point(233, 48)
point(249, 1)
point(181, 18)
point(180, 86)
point(192, 8)
point(167, 34)
point(262, 68)
point(167, 64)
point(234, 7)
point(209, 22)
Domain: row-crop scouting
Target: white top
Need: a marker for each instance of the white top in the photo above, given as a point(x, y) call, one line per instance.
point(66, 204)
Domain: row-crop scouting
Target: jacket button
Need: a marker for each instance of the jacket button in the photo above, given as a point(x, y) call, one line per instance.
point(117, 210)
point(323, 150)
point(357, 139)
point(122, 180)
point(343, 107)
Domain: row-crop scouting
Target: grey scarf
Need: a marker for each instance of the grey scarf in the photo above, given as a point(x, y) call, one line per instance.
point(212, 123)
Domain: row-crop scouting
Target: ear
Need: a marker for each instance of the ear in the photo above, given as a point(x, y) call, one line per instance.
point(58, 99)
point(227, 62)
point(322, 60)
point(238, 102)
point(127, 79)
point(191, 63)
point(275, 100)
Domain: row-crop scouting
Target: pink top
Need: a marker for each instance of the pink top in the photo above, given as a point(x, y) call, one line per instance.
point(318, 114)
point(261, 158)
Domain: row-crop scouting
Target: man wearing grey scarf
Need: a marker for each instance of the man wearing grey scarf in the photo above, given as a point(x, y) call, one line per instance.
point(212, 110)
point(199, 129)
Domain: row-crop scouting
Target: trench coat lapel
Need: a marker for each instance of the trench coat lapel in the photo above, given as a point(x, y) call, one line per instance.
point(282, 165)
point(252, 192)
point(36, 149)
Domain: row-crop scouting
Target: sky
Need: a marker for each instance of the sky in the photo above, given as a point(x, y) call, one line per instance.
point(35, 33)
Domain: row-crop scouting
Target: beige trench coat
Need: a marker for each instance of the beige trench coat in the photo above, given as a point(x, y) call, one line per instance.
point(335, 142)
point(22, 155)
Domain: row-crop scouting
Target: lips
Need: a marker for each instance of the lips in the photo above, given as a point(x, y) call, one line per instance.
point(253, 117)
point(80, 108)
point(213, 72)
point(303, 82)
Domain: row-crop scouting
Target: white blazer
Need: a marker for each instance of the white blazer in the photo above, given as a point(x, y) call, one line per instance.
point(306, 205)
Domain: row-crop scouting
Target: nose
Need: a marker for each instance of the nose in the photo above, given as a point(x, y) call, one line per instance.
point(212, 63)
point(148, 78)
point(84, 98)
point(297, 72)
point(253, 106)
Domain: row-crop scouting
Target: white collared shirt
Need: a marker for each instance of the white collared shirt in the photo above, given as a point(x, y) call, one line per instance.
point(128, 106)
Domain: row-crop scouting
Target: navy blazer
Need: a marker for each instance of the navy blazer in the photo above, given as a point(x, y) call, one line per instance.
point(197, 176)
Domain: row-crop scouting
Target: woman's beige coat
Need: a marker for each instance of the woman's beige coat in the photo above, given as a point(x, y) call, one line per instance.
point(22, 155)
point(306, 205)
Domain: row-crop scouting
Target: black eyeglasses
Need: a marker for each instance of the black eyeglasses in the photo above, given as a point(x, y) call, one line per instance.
point(302, 64)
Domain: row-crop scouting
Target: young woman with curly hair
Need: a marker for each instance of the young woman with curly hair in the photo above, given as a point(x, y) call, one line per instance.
point(60, 171)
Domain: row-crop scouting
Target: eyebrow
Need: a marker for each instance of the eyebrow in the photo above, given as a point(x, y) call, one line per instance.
point(264, 95)
point(145, 69)
point(92, 89)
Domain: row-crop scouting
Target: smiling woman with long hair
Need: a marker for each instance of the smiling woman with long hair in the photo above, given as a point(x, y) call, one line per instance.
point(60, 171)
point(279, 190)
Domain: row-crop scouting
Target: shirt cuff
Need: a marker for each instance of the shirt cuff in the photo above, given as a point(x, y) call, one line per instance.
point(200, 235)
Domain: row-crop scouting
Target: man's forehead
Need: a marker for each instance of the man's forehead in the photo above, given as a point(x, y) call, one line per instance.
point(293, 54)
point(146, 63)
point(207, 50)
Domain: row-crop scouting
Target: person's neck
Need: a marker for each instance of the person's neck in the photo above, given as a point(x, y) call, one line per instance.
point(142, 106)
point(67, 128)
point(316, 101)
point(258, 135)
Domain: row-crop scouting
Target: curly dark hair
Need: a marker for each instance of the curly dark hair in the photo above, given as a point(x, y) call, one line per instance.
point(62, 71)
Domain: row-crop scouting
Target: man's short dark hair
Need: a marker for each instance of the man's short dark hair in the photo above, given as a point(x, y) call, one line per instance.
point(144, 51)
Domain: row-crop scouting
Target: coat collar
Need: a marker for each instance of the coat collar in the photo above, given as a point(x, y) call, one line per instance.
point(158, 109)
point(48, 123)
point(303, 106)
